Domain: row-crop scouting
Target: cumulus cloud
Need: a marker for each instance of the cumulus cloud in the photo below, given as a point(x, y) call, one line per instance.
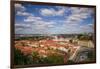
point(44, 25)
point(74, 21)
point(39, 22)
point(32, 19)
point(20, 10)
point(78, 14)
point(47, 12)
point(22, 25)
point(86, 28)
point(91, 26)
point(22, 28)
point(19, 7)
point(52, 11)
point(37, 27)
point(20, 13)
point(69, 20)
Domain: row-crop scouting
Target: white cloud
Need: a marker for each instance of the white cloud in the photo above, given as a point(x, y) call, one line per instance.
point(71, 24)
point(52, 11)
point(61, 10)
point(91, 25)
point(19, 7)
point(47, 12)
point(22, 28)
point(76, 10)
point(78, 14)
point(20, 10)
point(44, 25)
point(86, 28)
point(32, 19)
point(38, 24)
point(20, 13)
point(22, 25)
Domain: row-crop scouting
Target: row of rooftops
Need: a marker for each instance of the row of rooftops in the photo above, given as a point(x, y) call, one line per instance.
point(45, 47)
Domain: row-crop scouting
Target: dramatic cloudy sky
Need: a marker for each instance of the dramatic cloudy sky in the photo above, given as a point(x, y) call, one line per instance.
point(40, 19)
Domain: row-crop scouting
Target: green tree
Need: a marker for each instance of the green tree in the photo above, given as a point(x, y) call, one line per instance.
point(20, 58)
point(54, 59)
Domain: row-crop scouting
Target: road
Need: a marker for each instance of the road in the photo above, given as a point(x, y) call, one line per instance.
point(81, 54)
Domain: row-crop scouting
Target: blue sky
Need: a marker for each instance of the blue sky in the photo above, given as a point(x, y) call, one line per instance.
point(44, 19)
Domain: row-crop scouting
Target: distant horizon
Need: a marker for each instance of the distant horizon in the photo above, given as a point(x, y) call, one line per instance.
point(55, 34)
point(44, 19)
